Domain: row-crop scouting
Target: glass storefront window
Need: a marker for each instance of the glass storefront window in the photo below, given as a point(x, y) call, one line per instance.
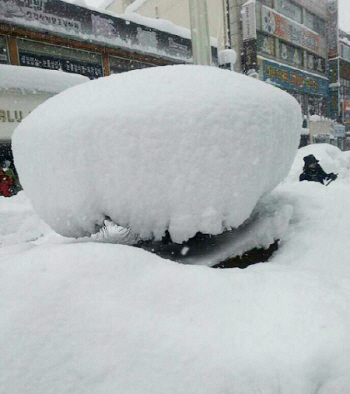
point(4, 58)
point(119, 65)
point(37, 54)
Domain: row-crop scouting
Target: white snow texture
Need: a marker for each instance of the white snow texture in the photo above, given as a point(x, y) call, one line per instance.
point(36, 79)
point(181, 148)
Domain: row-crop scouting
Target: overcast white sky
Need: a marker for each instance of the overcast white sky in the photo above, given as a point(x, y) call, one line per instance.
point(344, 15)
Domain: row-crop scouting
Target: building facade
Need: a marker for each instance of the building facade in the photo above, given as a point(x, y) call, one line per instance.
point(53, 34)
point(178, 13)
point(344, 78)
point(286, 43)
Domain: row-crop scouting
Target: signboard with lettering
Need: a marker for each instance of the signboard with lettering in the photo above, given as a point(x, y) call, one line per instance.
point(346, 111)
point(291, 54)
point(248, 21)
point(294, 79)
point(333, 71)
point(333, 30)
point(87, 25)
point(338, 131)
point(249, 58)
point(334, 99)
point(56, 63)
point(315, 63)
point(14, 106)
point(266, 44)
point(277, 25)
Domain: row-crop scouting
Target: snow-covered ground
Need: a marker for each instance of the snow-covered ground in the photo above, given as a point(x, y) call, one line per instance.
point(80, 316)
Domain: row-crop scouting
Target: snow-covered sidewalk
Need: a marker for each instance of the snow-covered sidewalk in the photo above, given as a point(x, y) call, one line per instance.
point(84, 317)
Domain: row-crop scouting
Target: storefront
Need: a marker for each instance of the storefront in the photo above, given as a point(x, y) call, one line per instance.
point(310, 90)
point(57, 35)
point(287, 47)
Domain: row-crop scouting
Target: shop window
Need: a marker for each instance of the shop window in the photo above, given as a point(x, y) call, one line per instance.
point(119, 65)
point(36, 54)
point(4, 58)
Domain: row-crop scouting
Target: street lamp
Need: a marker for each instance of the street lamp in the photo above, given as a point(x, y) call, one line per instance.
point(201, 49)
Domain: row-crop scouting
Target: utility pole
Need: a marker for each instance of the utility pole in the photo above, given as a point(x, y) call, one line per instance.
point(201, 49)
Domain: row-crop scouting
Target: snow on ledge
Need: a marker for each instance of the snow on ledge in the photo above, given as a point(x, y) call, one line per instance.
point(37, 79)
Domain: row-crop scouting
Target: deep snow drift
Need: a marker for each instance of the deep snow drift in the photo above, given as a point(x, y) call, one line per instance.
point(82, 317)
point(181, 148)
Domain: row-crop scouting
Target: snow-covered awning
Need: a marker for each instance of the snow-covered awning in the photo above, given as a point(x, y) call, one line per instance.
point(37, 80)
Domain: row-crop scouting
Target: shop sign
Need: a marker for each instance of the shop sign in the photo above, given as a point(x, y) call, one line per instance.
point(289, 9)
point(333, 30)
point(333, 103)
point(293, 79)
point(288, 30)
point(14, 106)
point(266, 44)
point(333, 71)
point(346, 111)
point(315, 63)
point(338, 131)
point(88, 25)
point(248, 21)
point(34, 10)
point(69, 65)
point(291, 54)
point(249, 58)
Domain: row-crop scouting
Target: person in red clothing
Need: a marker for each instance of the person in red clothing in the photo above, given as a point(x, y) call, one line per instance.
point(6, 183)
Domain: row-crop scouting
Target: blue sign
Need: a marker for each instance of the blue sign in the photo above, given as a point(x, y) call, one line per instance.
point(294, 79)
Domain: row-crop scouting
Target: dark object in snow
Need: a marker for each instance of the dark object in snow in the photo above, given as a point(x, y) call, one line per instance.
point(6, 183)
point(312, 171)
point(253, 256)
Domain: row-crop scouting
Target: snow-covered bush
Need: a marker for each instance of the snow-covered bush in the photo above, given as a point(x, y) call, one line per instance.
point(177, 148)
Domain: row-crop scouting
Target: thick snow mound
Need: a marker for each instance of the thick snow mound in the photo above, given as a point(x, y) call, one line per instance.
point(36, 79)
point(178, 148)
point(330, 157)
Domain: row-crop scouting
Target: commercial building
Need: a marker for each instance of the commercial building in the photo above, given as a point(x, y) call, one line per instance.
point(177, 11)
point(54, 34)
point(344, 78)
point(286, 43)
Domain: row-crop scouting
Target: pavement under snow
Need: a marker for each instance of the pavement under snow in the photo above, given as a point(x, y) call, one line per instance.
point(80, 316)
point(183, 149)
